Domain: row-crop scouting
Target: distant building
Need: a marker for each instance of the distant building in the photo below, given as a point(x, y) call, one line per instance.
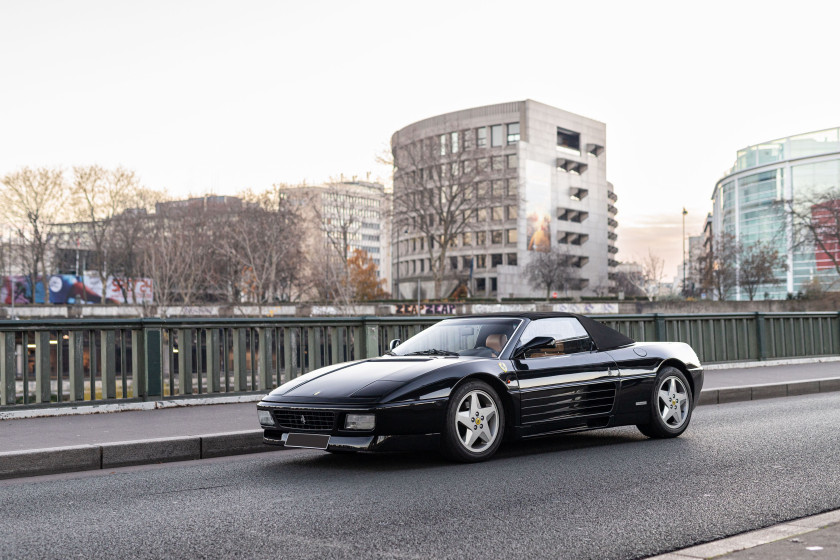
point(344, 216)
point(752, 202)
point(539, 175)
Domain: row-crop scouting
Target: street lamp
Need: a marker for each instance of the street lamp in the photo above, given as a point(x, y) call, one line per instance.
point(684, 212)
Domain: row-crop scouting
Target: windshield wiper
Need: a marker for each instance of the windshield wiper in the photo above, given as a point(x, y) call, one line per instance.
point(433, 352)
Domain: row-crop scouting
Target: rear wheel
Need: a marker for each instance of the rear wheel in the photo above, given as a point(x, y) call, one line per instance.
point(670, 405)
point(475, 423)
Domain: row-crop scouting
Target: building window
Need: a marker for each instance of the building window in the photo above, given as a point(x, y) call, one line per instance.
point(497, 214)
point(443, 144)
point(511, 235)
point(512, 212)
point(422, 265)
point(495, 260)
point(453, 263)
point(468, 166)
point(481, 137)
point(480, 238)
point(568, 139)
point(480, 261)
point(513, 187)
point(466, 239)
point(455, 168)
point(482, 214)
point(512, 161)
point(496, 237)
point(482, 165)
point(513, 133)
point(480, 284)
point(466, 262)
point(453, 142)
point(494, 285)
point(483, 186)
point(498, 188)
point(469, 140)
point(498, 163)
point(496, 136)
point(511, 259)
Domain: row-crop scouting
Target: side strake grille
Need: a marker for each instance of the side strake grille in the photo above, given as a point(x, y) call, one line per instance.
point(568, 402)
point(305, 419)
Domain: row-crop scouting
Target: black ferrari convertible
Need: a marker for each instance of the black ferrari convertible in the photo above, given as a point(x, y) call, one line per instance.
point(465, 384)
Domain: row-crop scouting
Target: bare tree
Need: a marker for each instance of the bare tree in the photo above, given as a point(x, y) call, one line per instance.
point(647, 275)
point(553, 269)
point(180, 255)
point(32, 201)
point(816, 222)
point(99, 195)
point(261, 242)
point(758, 265)
point(719, 267)
point(130, 234)
point(438, 190)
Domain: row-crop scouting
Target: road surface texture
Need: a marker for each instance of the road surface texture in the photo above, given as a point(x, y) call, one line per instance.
point(606, 494)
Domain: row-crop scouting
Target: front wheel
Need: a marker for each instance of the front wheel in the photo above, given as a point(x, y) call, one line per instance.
point(475, 423)
point(670, 405)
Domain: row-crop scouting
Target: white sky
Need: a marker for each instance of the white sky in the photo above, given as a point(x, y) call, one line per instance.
point(219, 96)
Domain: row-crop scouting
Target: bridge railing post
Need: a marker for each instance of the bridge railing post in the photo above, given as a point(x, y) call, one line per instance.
point(154, 369)
point(8, 367)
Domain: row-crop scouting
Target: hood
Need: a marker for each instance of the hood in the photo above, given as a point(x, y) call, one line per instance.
point(363, 380)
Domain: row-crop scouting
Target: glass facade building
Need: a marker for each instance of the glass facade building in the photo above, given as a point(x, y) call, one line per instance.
point(754, 203)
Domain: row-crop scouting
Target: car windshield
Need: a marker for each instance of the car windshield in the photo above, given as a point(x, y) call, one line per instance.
point(484, 337)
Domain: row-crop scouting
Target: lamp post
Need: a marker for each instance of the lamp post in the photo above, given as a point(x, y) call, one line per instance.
point(684, 212)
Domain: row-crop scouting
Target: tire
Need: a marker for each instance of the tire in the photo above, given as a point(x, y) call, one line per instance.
point(475, 423)
point(671, 404)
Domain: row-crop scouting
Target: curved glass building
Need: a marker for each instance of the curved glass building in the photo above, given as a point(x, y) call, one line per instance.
point(753, 203)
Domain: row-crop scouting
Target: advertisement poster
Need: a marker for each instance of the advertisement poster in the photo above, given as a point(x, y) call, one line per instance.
point(21, 287)
point(538, 206)
point(71, 289)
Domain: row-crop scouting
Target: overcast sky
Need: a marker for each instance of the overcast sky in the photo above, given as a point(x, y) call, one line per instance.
point(220, 96)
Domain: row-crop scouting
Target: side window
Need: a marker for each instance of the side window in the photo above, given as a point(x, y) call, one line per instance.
point(568, 334)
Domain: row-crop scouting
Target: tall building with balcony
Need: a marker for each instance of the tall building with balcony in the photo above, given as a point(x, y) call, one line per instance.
point(521, 177)
point(773, 186)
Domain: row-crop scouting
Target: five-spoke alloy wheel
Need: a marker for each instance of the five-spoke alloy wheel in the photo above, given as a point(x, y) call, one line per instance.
point(670, 405)
point(474, 422)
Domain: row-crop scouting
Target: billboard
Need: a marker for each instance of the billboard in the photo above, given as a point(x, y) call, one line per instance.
point(538, 206)
point(72, 289)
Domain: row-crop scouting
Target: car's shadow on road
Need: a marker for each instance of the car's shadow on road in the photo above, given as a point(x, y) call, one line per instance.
point(362, 462)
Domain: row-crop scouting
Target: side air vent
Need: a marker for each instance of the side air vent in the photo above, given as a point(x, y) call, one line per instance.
point(567, 402)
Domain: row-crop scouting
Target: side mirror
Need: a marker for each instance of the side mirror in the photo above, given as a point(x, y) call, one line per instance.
point(394, 343)
point(533, 344)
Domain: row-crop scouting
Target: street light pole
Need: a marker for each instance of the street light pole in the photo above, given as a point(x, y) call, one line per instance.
point(684, 212)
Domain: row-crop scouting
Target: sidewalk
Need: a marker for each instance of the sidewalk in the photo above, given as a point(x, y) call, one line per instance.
point(193, 432)
point(816, 536)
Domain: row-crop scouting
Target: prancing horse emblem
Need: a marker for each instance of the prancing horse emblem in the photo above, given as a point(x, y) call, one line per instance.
point(303, 419)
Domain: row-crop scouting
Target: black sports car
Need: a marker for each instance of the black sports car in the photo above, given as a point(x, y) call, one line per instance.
point(466, 383)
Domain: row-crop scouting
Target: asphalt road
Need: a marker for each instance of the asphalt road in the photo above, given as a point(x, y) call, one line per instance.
point(607, 494)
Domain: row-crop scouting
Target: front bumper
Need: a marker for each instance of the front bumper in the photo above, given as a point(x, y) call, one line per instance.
point(402, 426)
point(386, 443)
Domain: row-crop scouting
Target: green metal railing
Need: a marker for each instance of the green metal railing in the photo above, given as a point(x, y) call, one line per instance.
point(89, 361)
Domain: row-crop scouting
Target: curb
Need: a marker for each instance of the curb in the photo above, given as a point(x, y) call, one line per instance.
point(770, 363)
point(768, 391)
point(16, 464)
point(46, 412)
point(753, 539)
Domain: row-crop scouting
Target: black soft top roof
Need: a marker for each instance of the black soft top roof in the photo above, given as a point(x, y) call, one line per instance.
point(605, 337)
